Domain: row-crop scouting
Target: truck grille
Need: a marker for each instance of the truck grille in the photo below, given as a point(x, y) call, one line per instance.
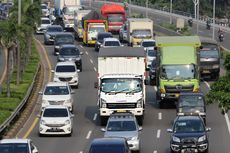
point(179, 88)
point(207, 64)
point(65, 79)
point(121, 105)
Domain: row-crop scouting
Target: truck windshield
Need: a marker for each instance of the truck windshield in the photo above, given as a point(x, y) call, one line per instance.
point(142, 33)
point(177, 72)
point(209, 53)
point(121, 85)
point(115, 18)
point(96, 29)
point(69, 10)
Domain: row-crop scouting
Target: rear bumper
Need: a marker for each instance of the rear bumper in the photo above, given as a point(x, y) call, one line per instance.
point(108, 112)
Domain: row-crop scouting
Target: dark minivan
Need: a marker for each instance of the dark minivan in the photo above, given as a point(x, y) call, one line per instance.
point(210, 58)
point(100, 38)
point(62, 39)
point(109, 145)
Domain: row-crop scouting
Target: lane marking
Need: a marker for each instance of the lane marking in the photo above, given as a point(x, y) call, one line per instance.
point(88, 134)
point(155, 88)
point(81, 46)
point(160, 116)
point(158, 133)
point(95, 116)
point(227, 121)
point(154, 151)
point(31, 128)
point(81, 152)
point(86, 53)
point(207, 84)
point(91, 61)
point(95, 69)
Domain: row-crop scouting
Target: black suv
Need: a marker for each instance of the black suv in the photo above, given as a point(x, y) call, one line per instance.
point(109, 145)
point(70, 53)
point(100, 38)
point(189, 134)
point(152, 72)
point(62, 39)
point(192, 104)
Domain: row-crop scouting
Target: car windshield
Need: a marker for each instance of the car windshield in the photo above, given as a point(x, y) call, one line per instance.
point(69, 52)
point(45, 22)
point(184, 126)
point(121, 126)
point(56, 90)
point(54, 112)
point(177, 72)
point(102, 36)
point(14, 148)
point(64, 39)
point(148, 43)
point(115, 18)
point(142, 33)
point(113, 148)
point(43, 7)
point(65, 68)
point(112, 43)
point(121, 85)
point(191, 101)
point(152, 53)
point(54, 29)
point(96, 29)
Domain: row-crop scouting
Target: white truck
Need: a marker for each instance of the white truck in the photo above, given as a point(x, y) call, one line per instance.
point(139, 29)
point(78, 31)
point(59, 5)
point(121, 82)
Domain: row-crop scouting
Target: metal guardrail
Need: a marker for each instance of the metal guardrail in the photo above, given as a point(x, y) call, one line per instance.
point(17, 111)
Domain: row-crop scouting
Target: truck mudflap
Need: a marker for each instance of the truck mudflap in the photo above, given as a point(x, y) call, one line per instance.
point(108, 112)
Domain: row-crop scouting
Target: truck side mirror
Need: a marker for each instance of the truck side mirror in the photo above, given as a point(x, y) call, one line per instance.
point(146, 81)
point(95, 84)
point(155, 48)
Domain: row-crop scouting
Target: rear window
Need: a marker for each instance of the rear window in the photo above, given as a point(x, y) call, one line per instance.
point(112, 43)
point(191, 101)
point(54, 29)
point(65, 68)
point(148, 44)
point(45, 21)
point(14, 148)
point(102, 36)
point(112, 148)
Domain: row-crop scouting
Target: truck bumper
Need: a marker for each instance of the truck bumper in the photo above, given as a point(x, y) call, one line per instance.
point(91, 42)
point(108, 112)
point(209, 71)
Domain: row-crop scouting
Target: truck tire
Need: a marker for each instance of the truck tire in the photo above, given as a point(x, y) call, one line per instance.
point(140, 120)
point(103, 120)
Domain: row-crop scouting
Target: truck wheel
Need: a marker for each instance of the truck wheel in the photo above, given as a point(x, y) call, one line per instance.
point(103, 120)
point(140, 120)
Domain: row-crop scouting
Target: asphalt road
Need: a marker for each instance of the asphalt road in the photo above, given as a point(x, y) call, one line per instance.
point(153, 136)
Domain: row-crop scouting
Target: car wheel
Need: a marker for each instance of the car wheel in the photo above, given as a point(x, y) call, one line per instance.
point(103, 120)
point(140, 120)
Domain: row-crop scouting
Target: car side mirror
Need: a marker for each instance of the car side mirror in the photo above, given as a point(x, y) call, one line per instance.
point(140, 129)
point(169, 130)
point(95, 84)
point(72, 115)
point(146, 81)
point(39, 115)
point(103, 129)
point(155, 48)
point(72, 92)
point(57, 53)
point(81, 53)
point(208, 129)
point(52, 71)
point(201, 47)
point(78, 70)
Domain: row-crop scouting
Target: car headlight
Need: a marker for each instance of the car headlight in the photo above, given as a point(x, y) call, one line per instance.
point(175, 139)
point(42, 122)
point(67, 122)
point(139, 103)
point(215, 66)
point(134, 138)
point(57, 47)
point(203, 138)
point(103, 103)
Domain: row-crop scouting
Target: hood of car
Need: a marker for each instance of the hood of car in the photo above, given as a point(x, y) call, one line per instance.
point(190, 135)
point(56, 97)
point(124, 134)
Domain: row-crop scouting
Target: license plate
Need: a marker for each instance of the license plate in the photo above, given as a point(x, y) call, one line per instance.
point(121, 111)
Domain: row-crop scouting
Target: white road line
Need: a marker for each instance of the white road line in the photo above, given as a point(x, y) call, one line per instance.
point(155, 88)
point(89, 134)
point(207, 84)
point(227, 121)
point(81, 152)
point(81, 46)
point(95, 116)
point(91, 61)
point(160, 116)
point(87, 53)
point(154, 151)
point(158, 133)
point(95, 69)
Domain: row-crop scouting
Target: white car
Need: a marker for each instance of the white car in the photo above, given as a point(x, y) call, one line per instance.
point(110, 42)
point(45, 10)
point(45, 22)
point(56, 120)
point(17, 146)
point(151, 54)
point(57, 93)
point(148, 43)
point(66, 72)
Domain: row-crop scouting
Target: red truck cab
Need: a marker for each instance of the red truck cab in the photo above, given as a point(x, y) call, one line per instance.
point(115, 14)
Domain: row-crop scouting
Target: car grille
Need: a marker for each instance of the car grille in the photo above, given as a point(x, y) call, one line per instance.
point(55, 130)
point(65, 79)
point(189, 142)
point(121, 105)
point(56, 102)
point(179, 88)
point(55, 125)
point(208, 65)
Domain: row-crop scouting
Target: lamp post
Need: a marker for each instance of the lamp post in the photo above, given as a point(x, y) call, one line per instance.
point(170, 11)
point(129, 8)
point(196, 12)
point(146, 5)
point(213, 18)
point(198, 16)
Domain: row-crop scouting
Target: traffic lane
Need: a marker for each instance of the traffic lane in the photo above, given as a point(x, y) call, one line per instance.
point(84, 110)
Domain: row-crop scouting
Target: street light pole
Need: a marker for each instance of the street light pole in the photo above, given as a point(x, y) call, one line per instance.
point(170, 11)
point(146, 5)
point(196, 12)
point(214, 16)
point(129, 7)
point(198, 16)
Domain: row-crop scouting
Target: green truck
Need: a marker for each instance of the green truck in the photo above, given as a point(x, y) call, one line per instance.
point(178, 67)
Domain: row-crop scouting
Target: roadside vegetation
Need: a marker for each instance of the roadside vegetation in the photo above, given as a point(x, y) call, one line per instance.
point(16, 40)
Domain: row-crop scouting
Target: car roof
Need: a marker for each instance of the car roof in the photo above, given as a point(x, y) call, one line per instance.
point(189, 117)
point(57, 84)
point(111, 39)
point(150, 48)
point(122, 117)
point(65, 63)
point(56, 107)
point(14, 140)
point(108, 141)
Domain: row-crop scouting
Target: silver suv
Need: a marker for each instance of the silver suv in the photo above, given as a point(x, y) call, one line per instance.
point(124, 125)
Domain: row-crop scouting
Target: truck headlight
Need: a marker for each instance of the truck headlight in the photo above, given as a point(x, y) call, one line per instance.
point(215, 66)
point(203, 138)
point(103, 103)
point(175, 139)
point(139, 103)
point(67, 122)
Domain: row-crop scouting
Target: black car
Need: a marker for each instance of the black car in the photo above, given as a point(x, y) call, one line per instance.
point(70, 53)
point(152, 72)
point(51, 32)
point(109, 145)
point(100, 38)
point(192, 104)
point(62, 39)
point(189, 134)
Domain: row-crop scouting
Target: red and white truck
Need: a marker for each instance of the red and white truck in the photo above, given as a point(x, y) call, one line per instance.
point(115, 14)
